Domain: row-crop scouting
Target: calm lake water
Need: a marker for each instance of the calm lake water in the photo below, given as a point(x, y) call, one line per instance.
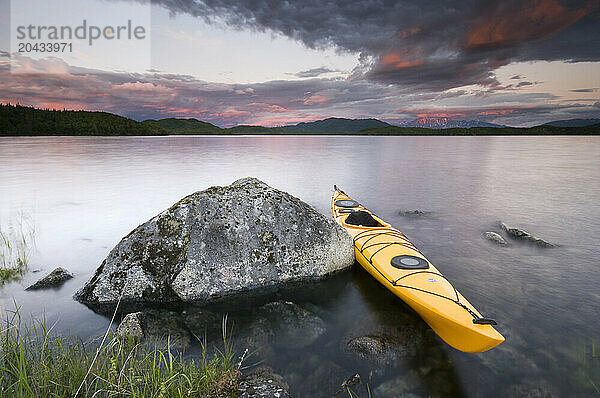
point(84, 194)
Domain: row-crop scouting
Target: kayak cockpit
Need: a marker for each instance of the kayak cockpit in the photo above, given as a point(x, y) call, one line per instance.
point(363, 219)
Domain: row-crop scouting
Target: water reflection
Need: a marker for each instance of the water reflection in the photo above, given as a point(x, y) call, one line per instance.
point(85, 193)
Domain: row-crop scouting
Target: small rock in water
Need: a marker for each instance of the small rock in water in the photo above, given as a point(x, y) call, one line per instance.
point(494, 237)
point(524, 235)
point(415, 212)
point(53, 279)
point(131, 325)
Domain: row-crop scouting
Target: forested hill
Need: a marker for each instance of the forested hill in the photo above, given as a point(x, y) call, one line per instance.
point(16, 120)
point(184, 126)
point(24, 120)
point(336, 124)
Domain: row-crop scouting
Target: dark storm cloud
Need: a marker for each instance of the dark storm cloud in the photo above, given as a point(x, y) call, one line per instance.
point(315, 72)
point(430, 44)
point(584, 90)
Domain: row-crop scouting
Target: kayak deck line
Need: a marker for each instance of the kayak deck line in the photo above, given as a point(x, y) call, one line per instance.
point(388, 255)
point(375, 233)
point(396, 284)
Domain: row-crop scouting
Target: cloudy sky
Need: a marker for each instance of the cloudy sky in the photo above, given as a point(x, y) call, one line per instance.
point(270, 62)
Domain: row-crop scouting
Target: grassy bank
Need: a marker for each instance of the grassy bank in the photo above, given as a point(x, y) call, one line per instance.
point(34, 363)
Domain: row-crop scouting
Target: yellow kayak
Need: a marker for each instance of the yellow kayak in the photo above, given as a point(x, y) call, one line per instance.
point(398, 265)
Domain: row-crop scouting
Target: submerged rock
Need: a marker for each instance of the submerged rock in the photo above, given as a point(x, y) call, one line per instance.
point(494, 237)
point(284, 323)
point(401, 386)
point(165, 328)
point(262, 383)
point(218, 242)
point(530, 390)
point(53, 279)
point(370, 347)
point(203, 323)
point(131, 326)
point(524, 235)
point(161, 327)
point(385, 349)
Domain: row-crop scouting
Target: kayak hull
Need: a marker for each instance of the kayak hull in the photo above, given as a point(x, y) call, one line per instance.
point(421, 286)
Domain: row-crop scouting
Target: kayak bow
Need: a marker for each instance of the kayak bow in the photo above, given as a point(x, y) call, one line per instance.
point(398, 265)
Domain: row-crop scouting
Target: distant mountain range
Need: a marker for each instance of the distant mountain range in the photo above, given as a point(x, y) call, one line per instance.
point(336, 124)
point(18, 120)
point(446, 123)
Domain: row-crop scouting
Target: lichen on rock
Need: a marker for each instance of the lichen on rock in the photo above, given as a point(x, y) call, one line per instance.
point(219, 242)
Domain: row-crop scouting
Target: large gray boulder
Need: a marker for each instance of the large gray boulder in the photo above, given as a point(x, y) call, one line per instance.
point(219, 242)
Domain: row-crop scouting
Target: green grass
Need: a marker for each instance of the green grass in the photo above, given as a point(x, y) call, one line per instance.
point(34, 363)
point(351, 393)
point(587, 372)
point(17, 241)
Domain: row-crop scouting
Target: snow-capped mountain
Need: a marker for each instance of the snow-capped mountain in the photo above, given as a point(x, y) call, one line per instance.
point(446, 123)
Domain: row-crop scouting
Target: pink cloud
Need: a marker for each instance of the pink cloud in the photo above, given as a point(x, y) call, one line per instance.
point(263, 107)
point(276, 121)
point(232, 113)
point(140, 87)
point(497, 112)
point(441, 114)
point(397, 60)
point(315, 99)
